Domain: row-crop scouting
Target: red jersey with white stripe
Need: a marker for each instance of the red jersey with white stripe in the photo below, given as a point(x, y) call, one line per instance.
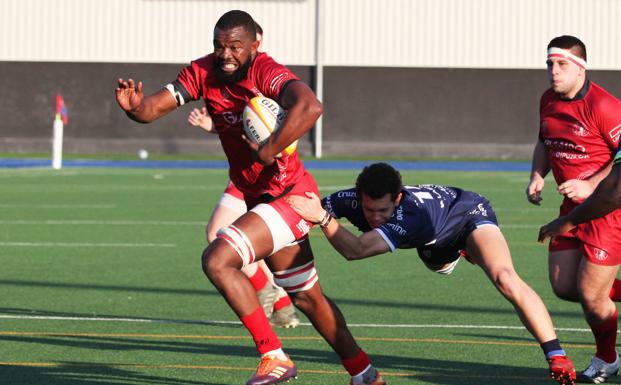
point(580, 134)
point(226, 103)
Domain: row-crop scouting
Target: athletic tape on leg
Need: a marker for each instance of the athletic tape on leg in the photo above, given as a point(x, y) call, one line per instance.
point(239, 242)
point(300, 278)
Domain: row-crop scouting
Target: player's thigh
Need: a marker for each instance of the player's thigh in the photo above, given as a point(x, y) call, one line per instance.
point(595, 280)
point(487, 247)
point(563, 269)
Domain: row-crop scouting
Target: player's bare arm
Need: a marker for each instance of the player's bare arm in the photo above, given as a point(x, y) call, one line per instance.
point(347, 244)
point(578, 190)
point(605, 198)
point(539, 170)
point(143, 109)
point(303, 110)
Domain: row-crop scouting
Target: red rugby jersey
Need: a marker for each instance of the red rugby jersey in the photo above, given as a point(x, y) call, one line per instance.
point(226, 103)
point(581, 134)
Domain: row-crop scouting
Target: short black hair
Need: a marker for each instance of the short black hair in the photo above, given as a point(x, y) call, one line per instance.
point(236, 18)
point(378, 179)
point(571, 43)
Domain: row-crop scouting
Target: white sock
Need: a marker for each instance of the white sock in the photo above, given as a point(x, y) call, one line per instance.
point(278, 353)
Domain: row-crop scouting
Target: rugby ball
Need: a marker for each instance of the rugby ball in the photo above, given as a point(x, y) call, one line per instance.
point(261, 117)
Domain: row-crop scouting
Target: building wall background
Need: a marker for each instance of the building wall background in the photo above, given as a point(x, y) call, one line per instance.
point(401, 77)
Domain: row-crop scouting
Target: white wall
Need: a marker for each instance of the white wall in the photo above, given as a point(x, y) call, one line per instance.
point(394, 33)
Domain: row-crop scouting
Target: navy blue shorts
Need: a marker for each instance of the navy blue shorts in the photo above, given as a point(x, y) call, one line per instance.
point(474, 211)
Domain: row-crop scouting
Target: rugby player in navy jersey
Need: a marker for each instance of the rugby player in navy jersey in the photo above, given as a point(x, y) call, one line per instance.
point(226, 80)
point(443, 223)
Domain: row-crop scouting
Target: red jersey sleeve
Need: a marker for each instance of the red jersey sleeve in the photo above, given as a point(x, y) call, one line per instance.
point(271, 76)
point(608, 119)
point(192, 77)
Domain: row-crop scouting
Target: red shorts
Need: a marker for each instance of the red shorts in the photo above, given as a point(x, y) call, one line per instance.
point(232, 190)
point(599, 239)
point(281, 214)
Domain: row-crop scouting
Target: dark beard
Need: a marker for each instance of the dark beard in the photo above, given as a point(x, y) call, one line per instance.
point(235, 77)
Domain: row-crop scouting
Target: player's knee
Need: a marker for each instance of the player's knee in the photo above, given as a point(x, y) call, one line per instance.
point(565, 292)
point(216, 259)
point(508, 283)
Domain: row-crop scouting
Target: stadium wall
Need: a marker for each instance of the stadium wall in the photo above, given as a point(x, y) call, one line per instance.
point(447, 78)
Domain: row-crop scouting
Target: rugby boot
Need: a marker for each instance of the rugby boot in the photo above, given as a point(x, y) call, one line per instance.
point(267, 298)
point(599, 371)
point(562, 370)
point(285, 317)
point(370, 377)
point(271, 370)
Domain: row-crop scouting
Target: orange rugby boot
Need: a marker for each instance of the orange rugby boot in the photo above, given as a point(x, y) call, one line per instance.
point(271, 370)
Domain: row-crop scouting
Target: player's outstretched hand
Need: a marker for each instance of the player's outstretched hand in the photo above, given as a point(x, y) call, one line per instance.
point(200, 118)
point(533, 190)
point(556, 227)
point(128, 94)
point(576, 189)
point(308, 207)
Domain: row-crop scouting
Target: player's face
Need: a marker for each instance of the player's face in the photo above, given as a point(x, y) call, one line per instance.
point(378, 211)
point(566, 77)
point(234, 50)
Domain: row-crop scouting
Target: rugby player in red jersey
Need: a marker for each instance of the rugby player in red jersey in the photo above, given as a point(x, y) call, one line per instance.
point(443, 223)
point(227, 79)
point(274, 299)
point(580, 125)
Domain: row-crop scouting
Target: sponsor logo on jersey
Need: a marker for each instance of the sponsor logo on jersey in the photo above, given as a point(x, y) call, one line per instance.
point(579, 130)
point(346, 194)
point(600, 254)
point(231, 118)
point(399, 213)
point(303, 226)
point(614, 133)
point(563, 145)
point(396, 228)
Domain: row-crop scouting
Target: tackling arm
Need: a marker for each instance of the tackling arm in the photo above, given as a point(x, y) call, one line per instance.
point(347, 244)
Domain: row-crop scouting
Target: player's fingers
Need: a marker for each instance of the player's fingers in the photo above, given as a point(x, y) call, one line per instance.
point(543, 234)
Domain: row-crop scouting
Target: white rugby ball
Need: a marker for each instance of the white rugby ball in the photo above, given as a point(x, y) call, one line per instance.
point(261, 117)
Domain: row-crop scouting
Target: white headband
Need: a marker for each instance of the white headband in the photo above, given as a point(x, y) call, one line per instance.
point(565, 53)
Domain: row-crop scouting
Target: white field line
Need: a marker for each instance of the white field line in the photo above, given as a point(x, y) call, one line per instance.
point(59, 206)
point(98, 222)
point(219, 322)
point(83, 244)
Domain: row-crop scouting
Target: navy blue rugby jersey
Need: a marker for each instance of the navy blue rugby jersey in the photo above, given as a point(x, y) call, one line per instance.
point(427, 215)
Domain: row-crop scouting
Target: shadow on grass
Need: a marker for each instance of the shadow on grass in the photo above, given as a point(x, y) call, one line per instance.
point(399, 368)
point(70, 373)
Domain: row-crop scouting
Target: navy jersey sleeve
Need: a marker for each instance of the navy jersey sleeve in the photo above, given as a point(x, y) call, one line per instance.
point(345, 204)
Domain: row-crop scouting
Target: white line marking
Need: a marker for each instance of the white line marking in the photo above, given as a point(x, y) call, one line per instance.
point(84, 244)
point(59, 206)
point(219, 322)
point(98, 222)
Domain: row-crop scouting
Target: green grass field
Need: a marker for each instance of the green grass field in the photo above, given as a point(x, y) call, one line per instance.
point(101, 284)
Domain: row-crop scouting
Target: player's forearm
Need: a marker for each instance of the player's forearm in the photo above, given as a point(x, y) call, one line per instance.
point(343, 241)
point(596, 178)
point(300, 119)
point(605, 198)
point(540, 165)
point(153, 107)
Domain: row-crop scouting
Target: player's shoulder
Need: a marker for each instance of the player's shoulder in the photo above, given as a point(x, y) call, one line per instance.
point(600, 100)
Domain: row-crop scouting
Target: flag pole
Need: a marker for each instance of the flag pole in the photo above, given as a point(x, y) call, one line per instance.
point(57, 143)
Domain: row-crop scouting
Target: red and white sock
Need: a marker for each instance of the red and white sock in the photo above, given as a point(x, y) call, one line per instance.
point(258, 280)
point(283, 301)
